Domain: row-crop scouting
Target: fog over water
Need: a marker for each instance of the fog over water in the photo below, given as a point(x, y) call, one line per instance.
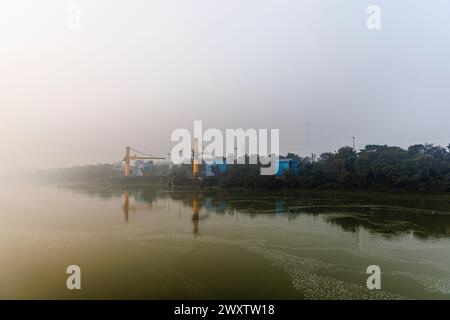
point(135, 71)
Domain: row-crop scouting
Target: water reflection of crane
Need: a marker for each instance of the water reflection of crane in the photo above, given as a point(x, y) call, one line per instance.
point(196, 206)
point(126, 205)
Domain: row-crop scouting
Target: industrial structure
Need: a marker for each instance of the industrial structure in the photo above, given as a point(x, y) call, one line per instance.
point(220, 167)
point(129, 157)
point(287, 165)
point(198, 172)
point(194, 158)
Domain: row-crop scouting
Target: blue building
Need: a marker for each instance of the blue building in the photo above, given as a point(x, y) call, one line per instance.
point(219, 166)
point(222, 167)
point(290, 165)
point(209, 170)
point(284, 165)
point(141, 167)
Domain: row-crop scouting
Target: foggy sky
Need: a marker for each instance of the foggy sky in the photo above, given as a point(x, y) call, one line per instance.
point(137, 70)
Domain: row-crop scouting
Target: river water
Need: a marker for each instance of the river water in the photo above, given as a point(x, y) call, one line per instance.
point(215, 244)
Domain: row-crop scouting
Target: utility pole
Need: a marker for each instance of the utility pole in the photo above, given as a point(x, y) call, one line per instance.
point(353, 138)
point(307, 135)
point(169, 162)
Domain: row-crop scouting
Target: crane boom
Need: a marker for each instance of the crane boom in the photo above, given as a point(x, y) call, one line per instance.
point(129, 157)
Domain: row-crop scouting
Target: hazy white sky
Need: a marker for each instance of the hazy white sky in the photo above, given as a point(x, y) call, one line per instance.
point(138, 69)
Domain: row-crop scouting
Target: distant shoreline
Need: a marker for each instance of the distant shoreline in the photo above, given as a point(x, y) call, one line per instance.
point(163, 185)
point(421, 168)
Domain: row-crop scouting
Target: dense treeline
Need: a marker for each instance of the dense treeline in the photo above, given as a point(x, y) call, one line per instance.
point(420, 167)
point(381, 167)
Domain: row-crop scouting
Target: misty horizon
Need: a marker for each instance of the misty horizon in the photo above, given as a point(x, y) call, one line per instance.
point(133, 73)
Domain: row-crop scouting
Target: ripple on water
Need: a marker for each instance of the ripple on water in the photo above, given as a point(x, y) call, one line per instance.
point(302, 271)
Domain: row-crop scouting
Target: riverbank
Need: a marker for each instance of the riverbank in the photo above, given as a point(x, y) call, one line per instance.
point(164, 184)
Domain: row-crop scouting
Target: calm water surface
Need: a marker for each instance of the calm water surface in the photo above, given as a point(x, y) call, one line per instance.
point(147, 243)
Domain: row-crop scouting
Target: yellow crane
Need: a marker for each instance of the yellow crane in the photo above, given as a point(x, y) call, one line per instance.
point(195, 159)
point(129, 157)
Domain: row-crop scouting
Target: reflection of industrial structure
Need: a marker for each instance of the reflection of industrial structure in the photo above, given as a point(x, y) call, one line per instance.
point(196, 205)
point(126, 204)
point(139, 166)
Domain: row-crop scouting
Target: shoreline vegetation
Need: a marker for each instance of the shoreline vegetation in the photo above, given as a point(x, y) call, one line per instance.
point(419, 168)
